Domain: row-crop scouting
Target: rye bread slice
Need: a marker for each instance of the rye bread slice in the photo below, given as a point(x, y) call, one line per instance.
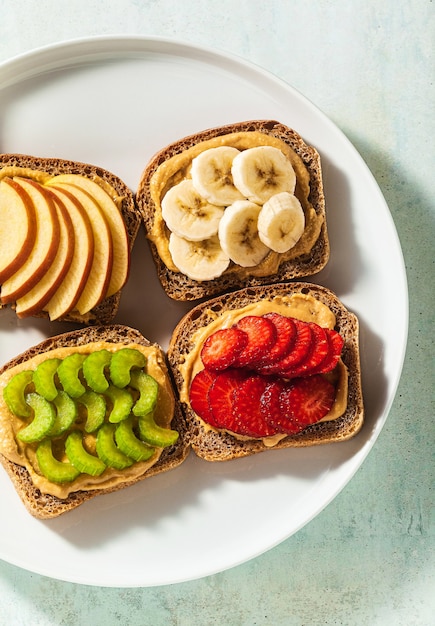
point(180, 287)
point(104, 312)
point(44, 506)
point(212, 445)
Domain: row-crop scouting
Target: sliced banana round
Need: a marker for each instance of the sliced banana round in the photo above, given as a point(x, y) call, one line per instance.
point(188, 214)
point(281, 222)
point(211, 175)
point(199, 260)
point(238, 234)
point(262, 172)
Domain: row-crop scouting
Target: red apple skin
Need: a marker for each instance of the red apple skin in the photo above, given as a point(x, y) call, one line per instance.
point(25, 247)
point(30, 273)
point(34, 301)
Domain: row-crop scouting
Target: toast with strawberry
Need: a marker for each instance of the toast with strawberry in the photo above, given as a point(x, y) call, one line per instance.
point(268, 367)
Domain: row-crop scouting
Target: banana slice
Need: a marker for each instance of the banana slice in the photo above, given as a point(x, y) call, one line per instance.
point(199, 260)
point(238, 234)
point(188, 215)
point(211, 175)
point(281, 222)
point(262, 172)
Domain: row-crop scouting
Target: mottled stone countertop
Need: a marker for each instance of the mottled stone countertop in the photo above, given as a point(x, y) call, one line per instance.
point(369, 557)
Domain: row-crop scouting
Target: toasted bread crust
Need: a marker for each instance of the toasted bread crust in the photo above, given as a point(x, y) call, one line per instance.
point(180, 287)
point(105, 312)
point(44, 506)
point(219, 446)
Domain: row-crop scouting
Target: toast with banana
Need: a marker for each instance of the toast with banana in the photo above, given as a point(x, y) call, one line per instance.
point(232, 206)
point(87, 413)
point(74, 226)
point(268, 367)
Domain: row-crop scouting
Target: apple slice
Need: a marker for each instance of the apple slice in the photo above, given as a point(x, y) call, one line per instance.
point(69, 291)
point(44, 249)
point(121, 253)
point(99, 276)
point(17, 217)
point(34, 301)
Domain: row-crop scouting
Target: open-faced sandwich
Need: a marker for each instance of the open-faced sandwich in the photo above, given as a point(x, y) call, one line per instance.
point(73, 227)
point(268, 367)
point(87, 413)
point(233, 206)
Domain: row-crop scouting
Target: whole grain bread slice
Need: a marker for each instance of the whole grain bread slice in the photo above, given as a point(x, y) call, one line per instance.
point(104, 312)
point(213, 445)
point(45, 506)
point(180, 287)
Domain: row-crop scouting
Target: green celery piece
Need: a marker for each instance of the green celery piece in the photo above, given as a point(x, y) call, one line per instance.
point(129, 444)
point(107, 449)
point(94, 370)
point(66, 414)
point(79, 457)
point(95, 405)
point(69, 374)
point(43, 378)
point(14, 391)
point(148, 389)
point(43, 420)
point(121, 364)
point(55, 471)
point(155, 435)
point(122, 403)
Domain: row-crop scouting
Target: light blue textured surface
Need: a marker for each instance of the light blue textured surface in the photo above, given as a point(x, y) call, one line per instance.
point(369, 557)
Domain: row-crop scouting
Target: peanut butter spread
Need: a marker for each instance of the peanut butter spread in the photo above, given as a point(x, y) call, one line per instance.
point(299, 306)
point(177, 168)
point(25, 454)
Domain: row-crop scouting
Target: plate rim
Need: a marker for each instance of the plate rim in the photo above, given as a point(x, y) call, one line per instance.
point(140, 44)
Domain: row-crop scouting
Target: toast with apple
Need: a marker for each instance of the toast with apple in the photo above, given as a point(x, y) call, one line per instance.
point(74, 227)
point(232, 206)
point(268, 368)
point(86, 413)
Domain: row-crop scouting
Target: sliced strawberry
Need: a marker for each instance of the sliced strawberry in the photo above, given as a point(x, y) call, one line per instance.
point(247, 409)
point(221, 397)
point(301, 347)
point(303, 402)
point(261, 337)
point(316, 354)
point(285, 339)
point(198, 395)
point(335, 347)
point(221, 349)
point(270, 404)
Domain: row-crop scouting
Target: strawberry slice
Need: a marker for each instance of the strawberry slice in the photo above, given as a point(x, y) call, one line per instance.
point(300, 350)
point(198, 395)
point(221, 398)
point(270, 404)
point(285, 339)
point(247, 408)
point(221, 349)
point(261, 337)
point(316, 354)
point(335, 347)
point(304, 401)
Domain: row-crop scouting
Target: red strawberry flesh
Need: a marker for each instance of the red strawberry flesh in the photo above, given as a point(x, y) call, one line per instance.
point(335, 347)
point(247, 409)
point(261, 337)
point(285, 339)
point(221, 398)
point(198, 395)
point(316, 354)
point(301, 348)
point(221, 349)
point(303, 402)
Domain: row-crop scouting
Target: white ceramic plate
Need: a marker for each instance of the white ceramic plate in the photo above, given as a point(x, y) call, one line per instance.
point(114, 102)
